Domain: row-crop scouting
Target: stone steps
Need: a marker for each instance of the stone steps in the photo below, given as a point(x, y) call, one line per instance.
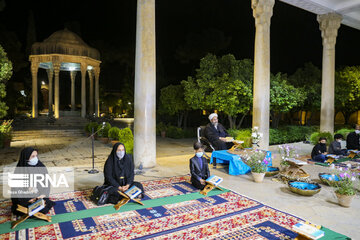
point(41, 123)
point(58, 133)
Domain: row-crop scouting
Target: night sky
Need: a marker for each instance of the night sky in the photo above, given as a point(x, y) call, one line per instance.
point(109, 26)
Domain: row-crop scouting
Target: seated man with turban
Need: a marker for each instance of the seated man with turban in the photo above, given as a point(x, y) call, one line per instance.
point(216, 133)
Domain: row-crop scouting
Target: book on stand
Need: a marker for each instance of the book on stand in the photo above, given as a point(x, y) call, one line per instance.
point(133, 192)
point(308, 230)
point(214, 180)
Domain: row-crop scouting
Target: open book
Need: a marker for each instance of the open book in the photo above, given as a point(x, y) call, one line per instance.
point(36, 207)
point(214, 180)
point(308, 230)
point(133, 192)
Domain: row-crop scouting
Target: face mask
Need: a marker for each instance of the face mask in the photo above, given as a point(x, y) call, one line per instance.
point(339, 140)
point(120, 154)
point(33, 161)
point(199, 154)
point(357, 131)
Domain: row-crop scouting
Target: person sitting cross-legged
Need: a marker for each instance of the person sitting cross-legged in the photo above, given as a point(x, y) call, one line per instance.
point(199, 168)
point(353, 139)
point(335, 146)
point(318, 153)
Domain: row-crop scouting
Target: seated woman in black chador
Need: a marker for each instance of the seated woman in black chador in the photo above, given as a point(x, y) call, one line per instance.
point(30, 164)
point(119, 173)
point(199, 168)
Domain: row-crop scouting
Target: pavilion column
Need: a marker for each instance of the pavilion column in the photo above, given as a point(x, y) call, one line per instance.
point(262, 12)
point(329, 25)
point(50, 73)
point(34, 72)
point(83, 89)
point(72, 77)
point(97, 106)
point(91, 96)
point(145, 86)
point(56, 67)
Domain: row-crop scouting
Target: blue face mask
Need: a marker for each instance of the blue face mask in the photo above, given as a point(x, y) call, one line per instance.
point(199, 154)
point(33, 161)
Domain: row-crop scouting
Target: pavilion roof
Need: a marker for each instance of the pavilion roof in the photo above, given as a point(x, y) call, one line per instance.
point(64, 42)
point(349, 9)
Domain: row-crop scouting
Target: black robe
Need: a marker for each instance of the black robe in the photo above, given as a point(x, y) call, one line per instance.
point(318, 149)
point(212, 134)
point(352, 141)
point(119, 172)
point(39, 168)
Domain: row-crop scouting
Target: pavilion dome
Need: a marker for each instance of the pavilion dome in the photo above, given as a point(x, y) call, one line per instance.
point(64, 42)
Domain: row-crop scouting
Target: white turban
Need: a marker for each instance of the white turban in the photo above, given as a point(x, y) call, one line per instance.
point(211, 116)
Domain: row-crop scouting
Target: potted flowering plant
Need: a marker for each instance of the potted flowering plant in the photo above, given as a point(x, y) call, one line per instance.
point(287, 152)
point(258, 164)
point(345, 187)
point(256, 136)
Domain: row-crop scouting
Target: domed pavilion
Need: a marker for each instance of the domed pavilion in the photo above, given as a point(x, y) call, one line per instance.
point(65, 51)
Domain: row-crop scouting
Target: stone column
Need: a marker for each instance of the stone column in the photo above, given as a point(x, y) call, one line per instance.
point(83, 89)
point(262, 12)
point(50, 73)
point(97, 106)
point(73, 101)
point(329, 25)
point(56, 66)
point(34, 71)
point(91, 89)
point(145, 86)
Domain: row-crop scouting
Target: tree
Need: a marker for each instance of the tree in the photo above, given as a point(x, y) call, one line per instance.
point(5, 74)
point(283, 97)
point(172, 102)
point(308, 79)
point(347, 90)
point(224, 84)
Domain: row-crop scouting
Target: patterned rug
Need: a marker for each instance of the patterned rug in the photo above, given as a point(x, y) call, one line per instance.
point(174, 210)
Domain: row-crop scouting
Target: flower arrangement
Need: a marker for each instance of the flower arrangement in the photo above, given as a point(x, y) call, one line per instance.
point(256, 136)
point(257, 161)
point(287, 152)
point(348, 181)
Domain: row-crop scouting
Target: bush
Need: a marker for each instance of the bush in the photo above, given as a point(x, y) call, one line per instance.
point(314, 138)
point(190, 133)
point(90, 125)
point(160, 127)
point(126, 137)
point(114, 133)
point(174, 132)
point(243, 135)
point(103, 131)
point(289, 134)
point(344, 132)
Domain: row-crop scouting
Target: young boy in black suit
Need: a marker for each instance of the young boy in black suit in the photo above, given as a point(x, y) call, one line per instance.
point(199, 168)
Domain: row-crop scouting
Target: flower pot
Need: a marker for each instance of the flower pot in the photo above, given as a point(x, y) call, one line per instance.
point(163, 134)
point(113, 142)
point(258, 177)
point(104, 140)
point(344, 200)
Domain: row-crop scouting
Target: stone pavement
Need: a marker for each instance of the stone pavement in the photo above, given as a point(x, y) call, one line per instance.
point(173, 159)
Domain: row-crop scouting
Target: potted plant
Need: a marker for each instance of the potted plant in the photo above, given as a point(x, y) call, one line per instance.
point(258, 164)
point(255, 137)
point(102, 132)
point(286, 152)
point(113, 135)
point(345, 188)
point(161, 128)
point(6, 132)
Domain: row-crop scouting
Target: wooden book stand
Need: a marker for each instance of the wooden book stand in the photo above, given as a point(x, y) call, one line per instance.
point(125, 200)
point(208, 188)
point(25, 210)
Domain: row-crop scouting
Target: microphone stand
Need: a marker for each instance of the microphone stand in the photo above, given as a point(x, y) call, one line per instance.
point(93, 170)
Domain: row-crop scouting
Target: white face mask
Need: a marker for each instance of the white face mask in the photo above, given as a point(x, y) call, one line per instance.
point(33, 161)
point(339, 140)
point(120, 154)
point(357, 131)
point(199, 154)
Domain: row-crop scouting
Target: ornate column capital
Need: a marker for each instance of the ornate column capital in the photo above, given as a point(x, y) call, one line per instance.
point(34, 67)
point(262, 11)
point(56, 67)
point(329, 24)
point(96, 71)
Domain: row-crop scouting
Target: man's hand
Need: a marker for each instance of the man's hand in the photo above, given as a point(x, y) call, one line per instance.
point(202, 181)
point(325, 153)
point(121, 188)
point(222, 139)
point(36, 198)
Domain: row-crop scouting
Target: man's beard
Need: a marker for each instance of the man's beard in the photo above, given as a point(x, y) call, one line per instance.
point(215, 124)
